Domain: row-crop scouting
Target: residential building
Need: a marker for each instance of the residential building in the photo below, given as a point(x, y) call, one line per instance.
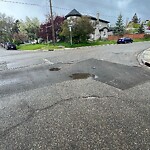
point(101, 26)
point(146, 28)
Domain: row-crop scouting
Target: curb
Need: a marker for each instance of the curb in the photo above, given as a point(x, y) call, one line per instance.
point(141, 58)
point(88, 46)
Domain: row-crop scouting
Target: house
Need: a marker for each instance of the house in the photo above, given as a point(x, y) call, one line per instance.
point(146, 27)
point(101, 26)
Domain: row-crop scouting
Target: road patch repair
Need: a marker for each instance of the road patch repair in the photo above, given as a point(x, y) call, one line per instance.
point(121, 76)
point(117, 75)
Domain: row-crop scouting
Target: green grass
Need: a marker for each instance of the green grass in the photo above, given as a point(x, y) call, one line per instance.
point(62, 45)
point(67, 45)
point(141, 40)
point(37, 47)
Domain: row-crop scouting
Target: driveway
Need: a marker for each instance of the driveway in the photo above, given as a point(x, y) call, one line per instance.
point(90, 98)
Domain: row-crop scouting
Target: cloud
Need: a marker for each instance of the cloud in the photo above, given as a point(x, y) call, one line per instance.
point(108, 9)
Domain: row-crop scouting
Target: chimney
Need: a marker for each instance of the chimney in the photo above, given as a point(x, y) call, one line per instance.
point(97, 17)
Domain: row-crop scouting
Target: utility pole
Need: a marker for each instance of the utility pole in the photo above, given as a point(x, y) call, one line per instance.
point(53, 30)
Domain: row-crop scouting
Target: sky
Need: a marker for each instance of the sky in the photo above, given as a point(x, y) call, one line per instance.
point(108, 9)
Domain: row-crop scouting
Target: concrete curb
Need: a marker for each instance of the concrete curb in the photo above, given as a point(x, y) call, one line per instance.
point(88, 46)
point(144, 57)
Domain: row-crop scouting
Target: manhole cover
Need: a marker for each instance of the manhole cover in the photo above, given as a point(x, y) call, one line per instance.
point(81, 76)
point(54, 69)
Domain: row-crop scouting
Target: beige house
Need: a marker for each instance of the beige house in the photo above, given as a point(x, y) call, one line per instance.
point(101, 26)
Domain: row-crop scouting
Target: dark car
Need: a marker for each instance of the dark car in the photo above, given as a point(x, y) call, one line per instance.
point(124, 40)
point(9, 45)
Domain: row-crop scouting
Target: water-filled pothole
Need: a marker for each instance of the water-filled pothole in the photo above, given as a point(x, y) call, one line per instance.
point(54, 69)
point(81, 76)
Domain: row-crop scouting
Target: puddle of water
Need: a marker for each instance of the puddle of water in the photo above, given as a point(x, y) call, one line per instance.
point(81, 76)
point(54, 69)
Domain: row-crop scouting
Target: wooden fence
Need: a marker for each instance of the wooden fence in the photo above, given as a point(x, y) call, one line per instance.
point(133, 36)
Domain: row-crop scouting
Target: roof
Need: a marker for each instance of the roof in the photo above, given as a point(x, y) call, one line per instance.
point(93, 18)
point(103, 29)
point(74, 12)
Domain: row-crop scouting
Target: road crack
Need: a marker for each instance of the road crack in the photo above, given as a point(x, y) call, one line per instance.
point(34, 112)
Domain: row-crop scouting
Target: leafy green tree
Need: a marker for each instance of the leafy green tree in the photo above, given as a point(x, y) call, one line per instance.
point(81, 29)
point(141, 28)
point(65, 30)
point(6, 24)
point(119, 28)
point(30, 27)
point(148, 24)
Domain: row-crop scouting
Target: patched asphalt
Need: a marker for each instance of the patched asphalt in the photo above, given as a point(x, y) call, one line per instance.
point(116, 75)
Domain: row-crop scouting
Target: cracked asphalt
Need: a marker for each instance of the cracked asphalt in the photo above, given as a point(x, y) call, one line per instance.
point(43, 110)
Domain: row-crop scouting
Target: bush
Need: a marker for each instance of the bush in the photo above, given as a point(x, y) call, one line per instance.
point(147, 36)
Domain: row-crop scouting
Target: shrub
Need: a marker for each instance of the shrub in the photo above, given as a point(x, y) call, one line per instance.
point(147, 36)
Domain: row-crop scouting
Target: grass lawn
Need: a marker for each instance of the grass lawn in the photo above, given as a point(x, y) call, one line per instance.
point(63, 45)
point(37, 47)
point(141, 40)
point(60, 45)
point(67, 45)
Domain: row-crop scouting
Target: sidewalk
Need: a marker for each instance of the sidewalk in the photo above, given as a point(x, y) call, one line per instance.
point(145, 57)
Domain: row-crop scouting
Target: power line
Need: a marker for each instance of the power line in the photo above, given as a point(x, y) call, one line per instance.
point(9, 1)
point(56, 7)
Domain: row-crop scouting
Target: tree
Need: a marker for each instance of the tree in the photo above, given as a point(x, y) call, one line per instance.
point(148, 24)
point(141, 28)
point(135, 18)
point(6, 24)
point(81, 29)
point(15, 28)
point(119, 28)
point(30, 27)
point(45, 31)
point(19, 38)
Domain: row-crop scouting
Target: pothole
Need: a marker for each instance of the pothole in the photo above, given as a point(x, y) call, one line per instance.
point(82, 76)
point(147, 64)
point(54, 69)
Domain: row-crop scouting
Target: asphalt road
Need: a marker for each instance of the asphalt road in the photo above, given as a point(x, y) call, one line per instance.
point(89, 98)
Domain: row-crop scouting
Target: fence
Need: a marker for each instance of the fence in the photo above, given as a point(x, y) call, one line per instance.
point(133, 36)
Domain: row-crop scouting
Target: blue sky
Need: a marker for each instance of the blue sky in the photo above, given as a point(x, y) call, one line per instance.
point(108, 9)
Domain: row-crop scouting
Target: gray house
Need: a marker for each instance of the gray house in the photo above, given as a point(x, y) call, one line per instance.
point(101, 26)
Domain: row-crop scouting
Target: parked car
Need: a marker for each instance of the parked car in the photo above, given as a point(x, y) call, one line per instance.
point(9, 45)
point(124, 40)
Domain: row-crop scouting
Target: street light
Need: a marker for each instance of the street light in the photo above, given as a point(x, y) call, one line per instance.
point(70, 29)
